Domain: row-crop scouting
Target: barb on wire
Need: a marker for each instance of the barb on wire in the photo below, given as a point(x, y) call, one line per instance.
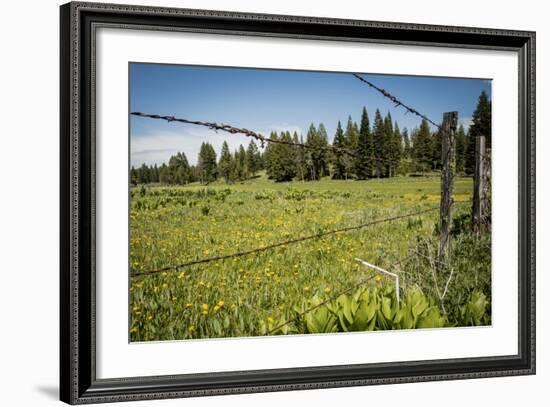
point(397, 101)
point(279, 244)
point(249, 133)
point(257, 136)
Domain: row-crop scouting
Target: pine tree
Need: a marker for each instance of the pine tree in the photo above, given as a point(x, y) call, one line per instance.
point(481, 126)
point(316, 156)
point(268, 155)
point(178, 167)
point(207, 166)
point(236, 166)
point(422, 147)
point(339, 170)
point(165, 177)
point(184, 168)
point(253, 158)
point(193, 173)
point(143, 174)
point(406, 144)
point(481, 120)
point(396, 149)
point(299, 156)
point(133, 176)
point(365, 149)
point(241, 164)
point(323, 155)
point(351, 140)
point(387, 151)
point(378, 137)
point(225, 165)
point(156, 173)
point(461, 148)
point(283, 164)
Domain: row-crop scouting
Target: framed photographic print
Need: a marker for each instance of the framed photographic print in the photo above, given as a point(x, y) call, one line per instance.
point(256, 203)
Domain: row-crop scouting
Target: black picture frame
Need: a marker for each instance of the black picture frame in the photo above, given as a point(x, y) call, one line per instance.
point(78, 382)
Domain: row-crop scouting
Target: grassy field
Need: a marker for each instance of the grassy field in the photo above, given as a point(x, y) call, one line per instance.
point(250, 295)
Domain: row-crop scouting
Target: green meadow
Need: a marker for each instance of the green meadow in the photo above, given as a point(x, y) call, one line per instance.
point(313, 286)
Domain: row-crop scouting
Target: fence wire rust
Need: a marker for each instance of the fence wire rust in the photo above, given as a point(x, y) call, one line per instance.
point(178, 266)
point(397, 102)
point(258, 136)
point(249, 133)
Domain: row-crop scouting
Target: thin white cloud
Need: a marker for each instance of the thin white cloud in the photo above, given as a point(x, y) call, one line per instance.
point(157, 148)
point(466, 122)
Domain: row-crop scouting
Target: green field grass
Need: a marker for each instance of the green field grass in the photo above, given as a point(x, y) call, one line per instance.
point(249, 295)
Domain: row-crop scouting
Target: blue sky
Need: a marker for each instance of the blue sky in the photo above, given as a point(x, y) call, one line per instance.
point(266, 100)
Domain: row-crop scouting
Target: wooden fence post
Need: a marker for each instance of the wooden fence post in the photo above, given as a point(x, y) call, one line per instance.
point(479, 185)
point(448, 138)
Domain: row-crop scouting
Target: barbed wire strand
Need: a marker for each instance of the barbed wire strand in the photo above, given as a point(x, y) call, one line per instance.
point(279, 244)
point(396, 101)
point(259, 137)
point(249, 133)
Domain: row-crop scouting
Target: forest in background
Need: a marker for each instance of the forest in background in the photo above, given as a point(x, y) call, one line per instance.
point(381, 149)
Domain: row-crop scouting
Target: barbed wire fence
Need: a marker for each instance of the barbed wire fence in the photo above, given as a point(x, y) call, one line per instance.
point(447, 129)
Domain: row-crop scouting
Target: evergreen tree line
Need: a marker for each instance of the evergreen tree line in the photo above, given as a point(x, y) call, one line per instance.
point(380, 150)
point(237, 166)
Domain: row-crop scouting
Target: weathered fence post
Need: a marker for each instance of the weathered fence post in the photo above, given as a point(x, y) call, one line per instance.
point(486, 201)
point(448, 130)
point(480, 187)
